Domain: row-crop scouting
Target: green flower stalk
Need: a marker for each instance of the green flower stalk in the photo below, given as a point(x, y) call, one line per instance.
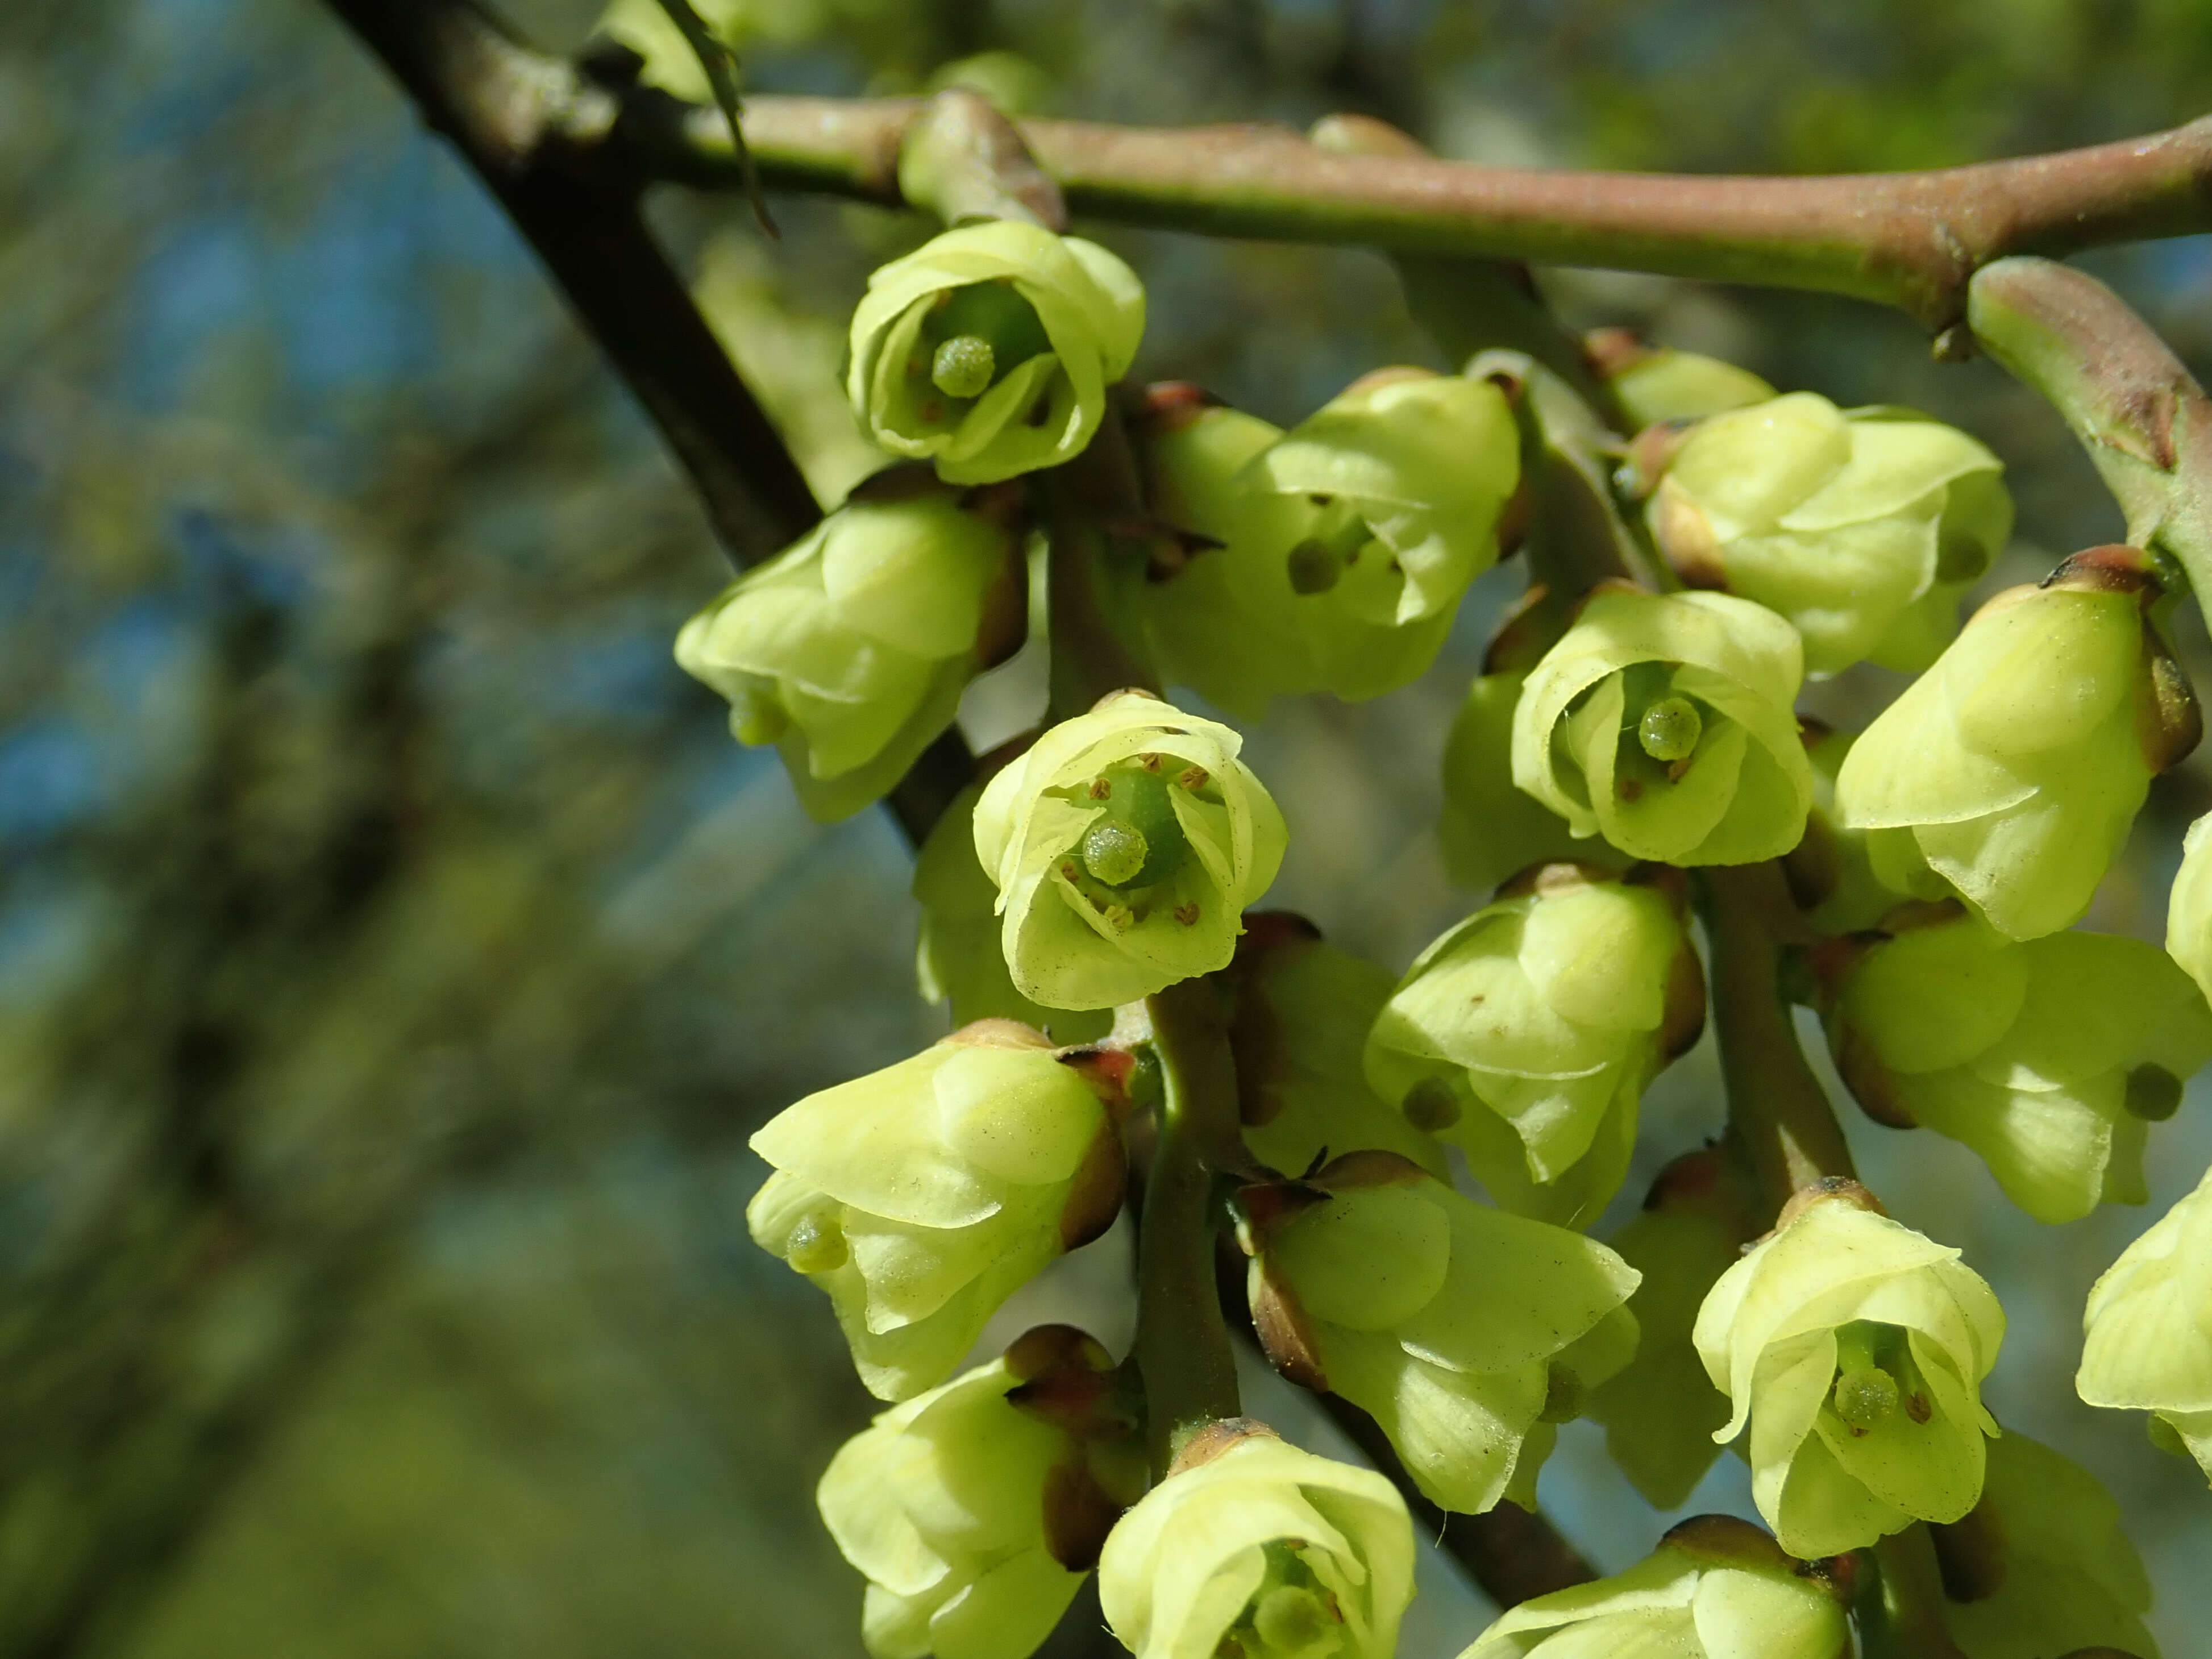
point(922, 1196)
point(2051, 1059)
point(1261, 1551)
point(1863, 527)
point(1854, 1348)
point(2018, 761)
point(988, 350)
point(957, 963)
point(1489, 829)
point(1298, 1034)
point(2041, 1566)
point(1717, 1588)
point(1466, 1333)
point(1661, 1411)
point(1125, 844)
point(1664, 723)
point(1345, 544)
point(2189, 907)
point(974, 1509)
point(1526, 1035)
point(849, 650)
point(2146, 1343)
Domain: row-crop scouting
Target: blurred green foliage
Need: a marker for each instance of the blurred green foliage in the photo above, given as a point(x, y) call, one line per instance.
point(394, 952)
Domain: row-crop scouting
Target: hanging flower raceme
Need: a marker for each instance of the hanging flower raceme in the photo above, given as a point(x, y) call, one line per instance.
point(1854, 1348)
point(1664, 724)
point(1527, 1033)
point(1466, 1333)
point(1343, 546)
point(850, 649)
point(1717, 1588)
point(1125, 844)
point(1260, 1550)
point(988, 350)
point(2050, 1057)
point(2016, 764)
point(975, 1510)
point(1863, 527)
point(2146, 1342)
point(2040, 1566)
point(1660, 1410)
point(921, 1196)
point(1298, 1032)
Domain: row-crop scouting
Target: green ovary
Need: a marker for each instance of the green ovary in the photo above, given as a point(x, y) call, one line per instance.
point(2154, 1094)
point(1341, 539)
point(1292, 1616)
point(1875, 1377)
point(1669, 729)
point(965, 366)
point(974, 334)
point(1139, 842)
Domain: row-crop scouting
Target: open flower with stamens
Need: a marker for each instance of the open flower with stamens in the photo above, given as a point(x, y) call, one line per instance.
point(2146, 1343)
point(1125, 844)
point(922, 1196)
point(2050, 1057)
point(1664, 723)
point(1252, 1549)
point(1855, 1349)
point(1466, 1333)
point(988, 350)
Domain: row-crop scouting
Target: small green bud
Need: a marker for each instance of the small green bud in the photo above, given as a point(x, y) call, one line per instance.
point(989, 349)
point(2146, 1346)
point(1260, 1551)
point(1669, 729)
point(922, 1196)
point(963, 366)
point(1459, 1329)
point(1828, 1484)
point(1739, 795)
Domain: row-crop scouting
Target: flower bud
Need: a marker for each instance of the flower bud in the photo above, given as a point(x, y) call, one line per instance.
point(973, 1518)
point(2051, 1059)
point(1302, 1013)
point(1489, 829)
point(1660, 1412)
point(2018, 761)
point(1657, 383)
point(988, 350)
point(1847, 880)
point(2189, 906)
point(921, 1196)
point(1863, 528)
point(958, 963)
point(1263, 1551)
point(1665, 724)
point(1856, 1348)
point(2041, 1566)
point(1464, 1332)
point(1526, 1034)
point(1717, 1588)
point(850, 649)
point(2147, 1341)
point(1126, 844)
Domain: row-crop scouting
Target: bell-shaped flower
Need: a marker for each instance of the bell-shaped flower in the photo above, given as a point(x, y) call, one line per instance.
point(2018, 761)
point(1717, 1588)
point(922, 1196)
point(989, 349)
point(1125, 844)
point(1660, 384)
point(2189, 906)
point(1863, 527)
point(974, 1509)
point(1263, 1551)
point(1489, 829)
point(1664, 724)
point(1298, 1033)
point(1855, 1349)
point(1661, 1411)
point(1466, 1333)
point(957, 961)
point(1846, 881)
point(850, 649)
point(1346, 544)
point(2146, 1343)
point(1526, 1034)
point(2041, 1566)
point(2050, 1057)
